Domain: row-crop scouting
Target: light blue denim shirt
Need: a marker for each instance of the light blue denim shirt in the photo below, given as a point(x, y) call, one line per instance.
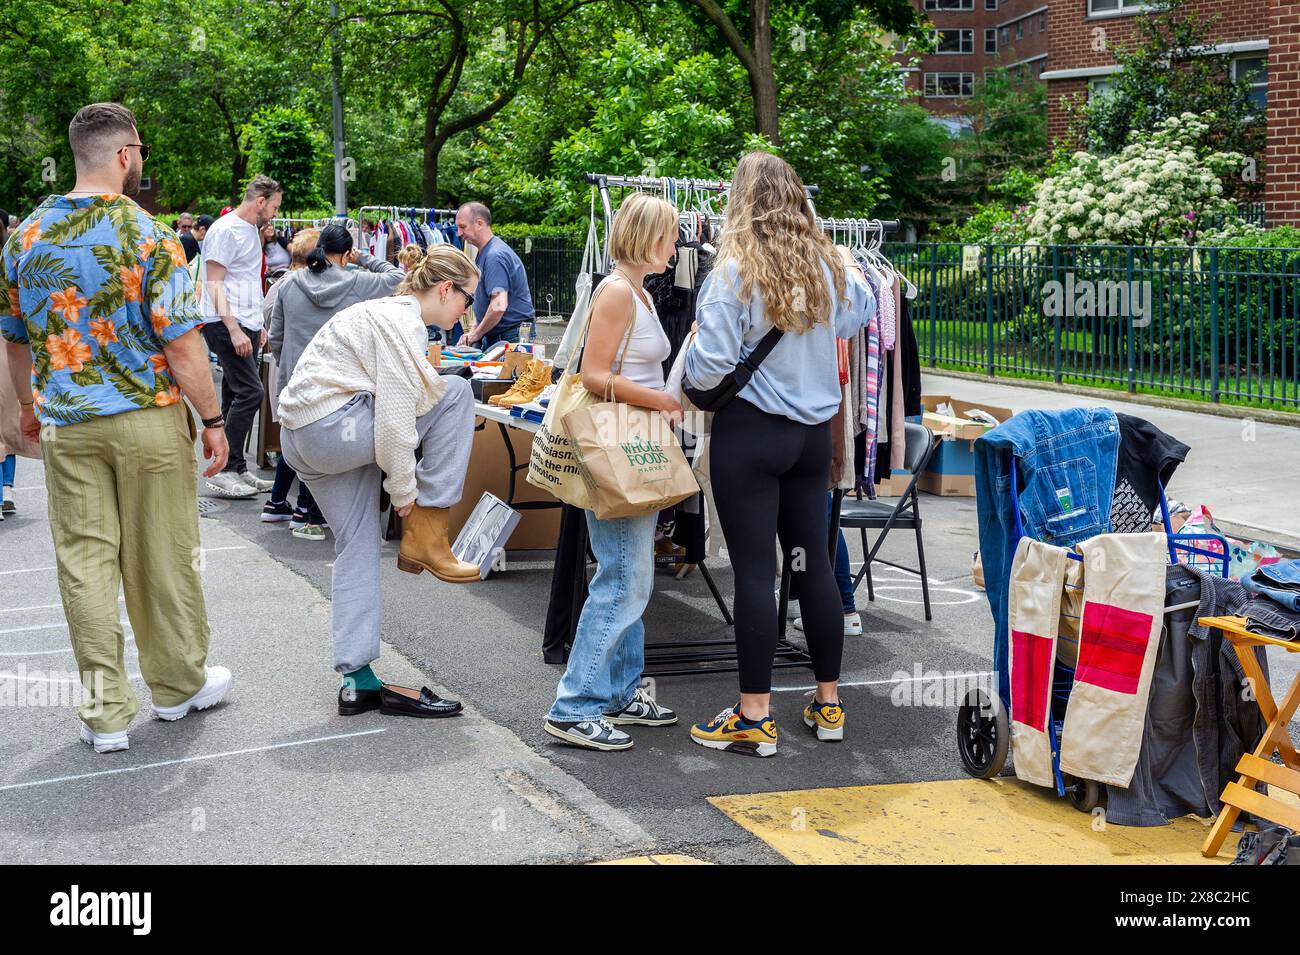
point(800, 378)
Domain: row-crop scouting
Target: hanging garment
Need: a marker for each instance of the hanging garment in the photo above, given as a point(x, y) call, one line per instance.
point(897, 439)
point(1200, 719)
point(1034, 613)
point(1066, 465)
point(1123, 603)
point(1147, 460)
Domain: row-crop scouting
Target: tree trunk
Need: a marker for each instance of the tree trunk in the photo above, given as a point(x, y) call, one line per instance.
point(756, 57)
point(432, 144)
point(762, 81)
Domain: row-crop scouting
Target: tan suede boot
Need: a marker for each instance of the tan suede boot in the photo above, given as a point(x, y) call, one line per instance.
point(536, 376)
point(425, 547)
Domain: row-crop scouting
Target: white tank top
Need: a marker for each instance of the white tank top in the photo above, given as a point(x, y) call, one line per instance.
point(649, 348)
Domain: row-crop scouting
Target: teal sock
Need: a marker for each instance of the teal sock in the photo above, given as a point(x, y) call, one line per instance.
point(363, 679)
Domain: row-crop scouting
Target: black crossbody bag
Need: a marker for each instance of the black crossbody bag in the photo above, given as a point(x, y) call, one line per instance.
point(720, 395)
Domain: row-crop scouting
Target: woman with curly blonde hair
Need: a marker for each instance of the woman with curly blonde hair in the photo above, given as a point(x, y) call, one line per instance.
point(770, 458)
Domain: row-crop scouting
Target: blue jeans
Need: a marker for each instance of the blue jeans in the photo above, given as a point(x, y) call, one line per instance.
point(1279, 582)
point(7, 468)
point(608, 652)
point(1066, 463)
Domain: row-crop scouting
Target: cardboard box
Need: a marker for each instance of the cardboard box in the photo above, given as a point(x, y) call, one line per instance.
point(947, 485)
point(489, 471)
point(952, 469)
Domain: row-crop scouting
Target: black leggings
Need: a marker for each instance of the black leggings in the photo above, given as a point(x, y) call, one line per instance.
point(770, 476)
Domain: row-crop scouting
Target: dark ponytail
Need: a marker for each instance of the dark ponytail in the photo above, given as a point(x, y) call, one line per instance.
point(335, 240)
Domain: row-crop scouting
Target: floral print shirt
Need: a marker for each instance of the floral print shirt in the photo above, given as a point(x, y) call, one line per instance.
point(96, 286)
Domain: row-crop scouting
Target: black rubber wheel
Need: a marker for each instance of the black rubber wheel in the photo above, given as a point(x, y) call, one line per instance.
point(983, 734)
point(1085, 795)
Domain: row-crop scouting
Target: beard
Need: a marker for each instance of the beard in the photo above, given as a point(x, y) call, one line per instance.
point(131, 184)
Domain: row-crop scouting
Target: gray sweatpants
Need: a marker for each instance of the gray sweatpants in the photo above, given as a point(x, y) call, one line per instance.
point(335, 456)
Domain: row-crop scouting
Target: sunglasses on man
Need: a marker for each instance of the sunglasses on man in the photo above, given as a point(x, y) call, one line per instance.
point(144, 150)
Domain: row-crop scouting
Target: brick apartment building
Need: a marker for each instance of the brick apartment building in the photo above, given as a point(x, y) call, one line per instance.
point(975, 37)
point(1262, 37)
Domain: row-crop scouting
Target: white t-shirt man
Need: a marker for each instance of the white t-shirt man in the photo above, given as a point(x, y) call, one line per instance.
point(235, 243)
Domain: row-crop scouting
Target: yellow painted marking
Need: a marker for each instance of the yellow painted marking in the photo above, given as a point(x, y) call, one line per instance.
point(654, 860)
point(963, 821)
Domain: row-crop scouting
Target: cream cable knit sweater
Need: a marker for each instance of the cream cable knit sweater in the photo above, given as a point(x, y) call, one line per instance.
point(378, 347)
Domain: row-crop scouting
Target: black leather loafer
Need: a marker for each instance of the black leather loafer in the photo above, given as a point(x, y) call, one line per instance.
point(428, 706)
point(353, 701)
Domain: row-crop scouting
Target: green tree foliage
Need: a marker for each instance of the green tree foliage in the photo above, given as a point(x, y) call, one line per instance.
point(282, 142)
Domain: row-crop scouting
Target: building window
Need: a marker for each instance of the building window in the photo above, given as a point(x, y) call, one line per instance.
point(991, 40)
point(1253, 70)
point(1042, 22)
point(1100, 87)
point(1116, 6)
point(949, 85)
point(990, 4)
point(1006, 37)
point(146, 183)
point(954, 41)
point(1020, 29)
point(950, 4)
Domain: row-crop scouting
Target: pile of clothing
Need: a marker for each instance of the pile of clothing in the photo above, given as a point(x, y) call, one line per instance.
point(1275, 609)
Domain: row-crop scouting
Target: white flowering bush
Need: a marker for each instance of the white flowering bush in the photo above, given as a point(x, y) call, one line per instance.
point(1157, 190)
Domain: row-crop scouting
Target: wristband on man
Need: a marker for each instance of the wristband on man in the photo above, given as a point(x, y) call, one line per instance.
point(218, 422)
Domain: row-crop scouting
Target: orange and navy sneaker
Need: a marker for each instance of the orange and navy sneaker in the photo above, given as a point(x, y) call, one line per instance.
point(729, 731)
point(826, 718)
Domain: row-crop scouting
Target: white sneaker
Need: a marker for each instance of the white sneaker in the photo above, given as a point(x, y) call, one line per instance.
point(212, 693)
point(105, 742)
point(255, 482)
point(228, 484)
point(852, 625)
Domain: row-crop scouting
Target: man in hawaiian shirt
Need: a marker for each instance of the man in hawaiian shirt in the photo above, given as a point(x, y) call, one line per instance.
point(101, 323)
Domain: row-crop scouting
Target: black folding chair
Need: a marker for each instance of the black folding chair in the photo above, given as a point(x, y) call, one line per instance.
point(884, 516)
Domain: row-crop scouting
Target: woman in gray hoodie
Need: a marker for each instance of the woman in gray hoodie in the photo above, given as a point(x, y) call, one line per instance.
point(336, 276)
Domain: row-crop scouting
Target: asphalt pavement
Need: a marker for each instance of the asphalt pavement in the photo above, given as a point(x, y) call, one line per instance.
point(276, 775)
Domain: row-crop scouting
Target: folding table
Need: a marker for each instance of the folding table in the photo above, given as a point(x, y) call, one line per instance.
point(1258, 767)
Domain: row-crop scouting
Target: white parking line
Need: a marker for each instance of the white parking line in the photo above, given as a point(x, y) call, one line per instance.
point(47, 653)
point(41, 607)
point(34, 570)
point(27, 678)
point(187, 759)
point(63, 625)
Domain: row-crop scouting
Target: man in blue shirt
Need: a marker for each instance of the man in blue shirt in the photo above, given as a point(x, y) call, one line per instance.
point(502, 300)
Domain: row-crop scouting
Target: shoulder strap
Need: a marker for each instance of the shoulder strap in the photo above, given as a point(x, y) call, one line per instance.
point(765, 346)
point(627, 335)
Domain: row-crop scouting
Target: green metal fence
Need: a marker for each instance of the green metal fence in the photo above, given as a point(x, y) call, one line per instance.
point(552, 264)
point(1220, 324)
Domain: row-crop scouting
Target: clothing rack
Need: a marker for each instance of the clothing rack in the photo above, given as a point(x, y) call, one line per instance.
point(408, 212)
point(683, 657)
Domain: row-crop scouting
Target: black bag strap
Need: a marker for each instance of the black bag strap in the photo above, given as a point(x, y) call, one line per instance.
point(764, 348)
